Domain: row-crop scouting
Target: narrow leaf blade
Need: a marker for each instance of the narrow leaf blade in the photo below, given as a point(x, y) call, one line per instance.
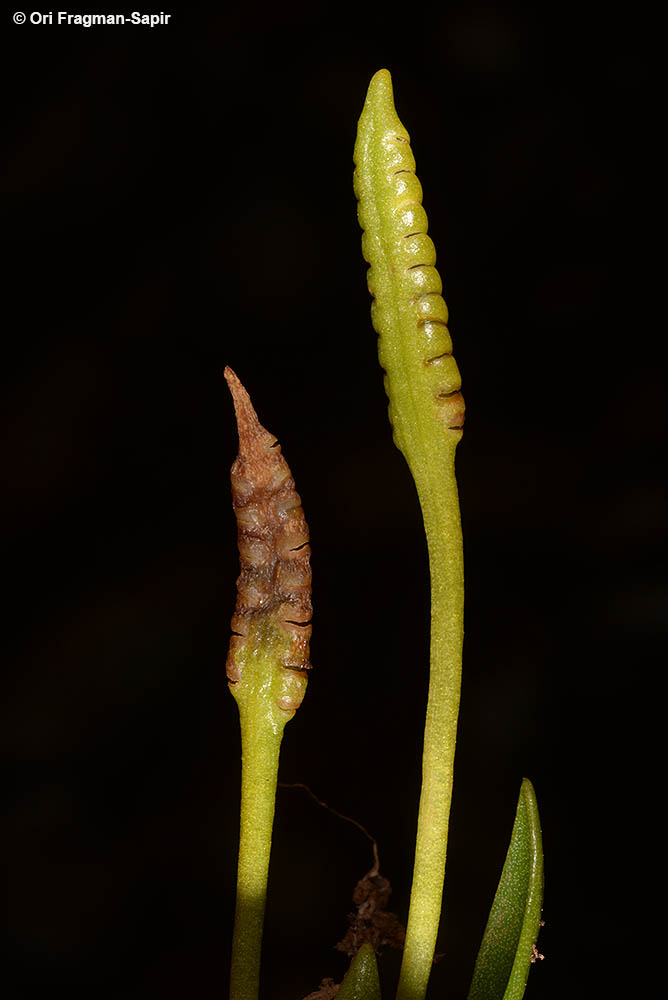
point(508, 944)
point(361, 980)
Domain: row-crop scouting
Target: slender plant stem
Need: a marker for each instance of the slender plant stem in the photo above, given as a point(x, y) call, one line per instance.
point(259, 770)
point(442, 525)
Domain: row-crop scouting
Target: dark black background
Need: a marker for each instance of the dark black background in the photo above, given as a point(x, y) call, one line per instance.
point(178, 199)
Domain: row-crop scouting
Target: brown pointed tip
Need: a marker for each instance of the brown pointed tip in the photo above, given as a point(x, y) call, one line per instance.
point(243, 408)
point(253, 437)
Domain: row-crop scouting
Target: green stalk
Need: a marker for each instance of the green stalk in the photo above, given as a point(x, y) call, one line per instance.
point(258, 788)
point(440, 510)
point(427, 412)
point(261, 736)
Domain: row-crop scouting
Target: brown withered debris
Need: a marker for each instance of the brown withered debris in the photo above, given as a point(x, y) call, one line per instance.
point(275, 578)
point(373, 922)
point(327, 990)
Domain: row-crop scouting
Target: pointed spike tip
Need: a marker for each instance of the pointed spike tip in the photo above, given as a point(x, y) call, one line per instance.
point(380, 93)
point(243, 407)
point(381, 80)
point(254, 439)
point(379, 114)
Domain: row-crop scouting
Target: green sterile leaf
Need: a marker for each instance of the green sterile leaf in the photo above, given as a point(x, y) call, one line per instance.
point(508, 944)
point(361, 980)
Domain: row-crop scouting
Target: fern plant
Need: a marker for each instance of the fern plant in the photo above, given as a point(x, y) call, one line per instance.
point(268, 660)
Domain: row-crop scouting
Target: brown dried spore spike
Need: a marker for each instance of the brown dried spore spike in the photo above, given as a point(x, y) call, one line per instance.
point(274, 585)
